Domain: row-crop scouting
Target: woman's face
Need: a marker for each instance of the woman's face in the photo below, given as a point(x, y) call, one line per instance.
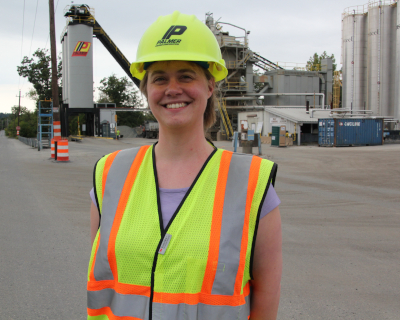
point(177, 93)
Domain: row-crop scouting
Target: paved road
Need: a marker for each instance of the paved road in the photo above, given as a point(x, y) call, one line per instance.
point(340, 211)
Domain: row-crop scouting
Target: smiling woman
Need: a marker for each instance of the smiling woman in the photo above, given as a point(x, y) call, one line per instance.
point(179, 219)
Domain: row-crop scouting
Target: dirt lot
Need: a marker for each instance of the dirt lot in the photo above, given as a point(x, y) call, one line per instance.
point(340, 211)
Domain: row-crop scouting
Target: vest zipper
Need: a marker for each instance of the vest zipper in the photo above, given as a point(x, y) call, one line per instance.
point(163, 230)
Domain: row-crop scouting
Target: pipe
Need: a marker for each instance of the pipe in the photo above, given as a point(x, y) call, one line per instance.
point(289, 94)
point(245, 32)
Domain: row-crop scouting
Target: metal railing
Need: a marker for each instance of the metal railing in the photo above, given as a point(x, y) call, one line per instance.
point(235, 85)
point(299, 66)
point(34, 143)
point(362, 9)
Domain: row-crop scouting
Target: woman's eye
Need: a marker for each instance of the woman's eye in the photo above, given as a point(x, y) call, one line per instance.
point(158, 79)
point(186, 77)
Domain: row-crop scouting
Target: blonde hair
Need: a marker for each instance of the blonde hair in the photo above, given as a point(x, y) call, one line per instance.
point(210, 116)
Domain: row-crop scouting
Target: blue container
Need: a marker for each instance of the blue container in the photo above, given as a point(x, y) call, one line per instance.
point(350, 132)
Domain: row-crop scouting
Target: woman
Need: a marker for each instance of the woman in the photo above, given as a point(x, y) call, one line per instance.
point(181, 235)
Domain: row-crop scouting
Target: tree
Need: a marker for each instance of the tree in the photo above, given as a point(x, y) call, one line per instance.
point(38, 71)
point(123, 93)
point(27, 122)
point(120, 91)
point(314, 63)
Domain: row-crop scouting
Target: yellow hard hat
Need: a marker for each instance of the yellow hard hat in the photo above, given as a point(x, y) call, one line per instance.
point(181, 37)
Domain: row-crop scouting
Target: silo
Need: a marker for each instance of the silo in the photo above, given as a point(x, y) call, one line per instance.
point(381, 58)
point(65, 69)
point(354, 51)
point(80, 66)
point(397, 82)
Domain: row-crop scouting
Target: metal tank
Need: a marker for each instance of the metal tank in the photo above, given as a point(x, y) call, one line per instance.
point(80, 66)
point(65, 69)
point(381, 58)
point(397, 82)
point(354, 55)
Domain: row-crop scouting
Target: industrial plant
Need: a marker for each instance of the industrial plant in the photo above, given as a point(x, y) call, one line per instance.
point(259, 94)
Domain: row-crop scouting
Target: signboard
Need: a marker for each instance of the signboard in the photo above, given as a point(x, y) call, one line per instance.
point(55, 110)
point(81, 49)
point(277, 120)
point(18, 128)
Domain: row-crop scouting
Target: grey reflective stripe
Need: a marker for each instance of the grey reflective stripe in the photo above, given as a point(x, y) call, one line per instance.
point(114, 184)
point(164, 311)
point(122, 305)
point(127, 305)
point(232, 224)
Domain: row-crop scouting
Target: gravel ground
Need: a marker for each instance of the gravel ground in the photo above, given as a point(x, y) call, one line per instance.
point(340, 212)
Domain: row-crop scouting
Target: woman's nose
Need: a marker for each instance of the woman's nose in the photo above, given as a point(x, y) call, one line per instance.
point(173, 87)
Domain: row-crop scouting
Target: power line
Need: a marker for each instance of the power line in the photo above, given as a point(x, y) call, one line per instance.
point(22, 40)
point(33, 31)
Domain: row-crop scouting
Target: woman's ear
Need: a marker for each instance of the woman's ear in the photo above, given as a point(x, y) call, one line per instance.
point(211, 87)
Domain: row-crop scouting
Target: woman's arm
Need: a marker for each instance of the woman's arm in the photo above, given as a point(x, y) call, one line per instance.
point(267, 268)
point(94, 221)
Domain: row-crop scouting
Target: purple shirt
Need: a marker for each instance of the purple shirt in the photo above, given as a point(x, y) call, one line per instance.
point(171, 198)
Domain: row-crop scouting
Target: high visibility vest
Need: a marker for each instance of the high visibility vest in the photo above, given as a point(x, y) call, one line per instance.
point(196, 267)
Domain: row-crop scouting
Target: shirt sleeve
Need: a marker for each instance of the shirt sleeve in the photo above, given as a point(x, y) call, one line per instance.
point(271, 201)
point(93, 197)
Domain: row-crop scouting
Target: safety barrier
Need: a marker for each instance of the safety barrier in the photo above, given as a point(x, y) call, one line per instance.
point(61, 150)
point(53, 149)
point(57, 130)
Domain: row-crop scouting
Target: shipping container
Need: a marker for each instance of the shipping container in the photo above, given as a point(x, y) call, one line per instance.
point(350, 132)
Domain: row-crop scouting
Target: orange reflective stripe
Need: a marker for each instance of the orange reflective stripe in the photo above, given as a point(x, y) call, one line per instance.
point(94, 259)
point(215, 233)
point(107, 167)
point(108, 312)
point(121, 288)
point(123, 200)
point(251, 188)
point(196, 298)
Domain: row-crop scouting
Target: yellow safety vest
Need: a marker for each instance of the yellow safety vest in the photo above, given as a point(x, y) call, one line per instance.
point(196, 267)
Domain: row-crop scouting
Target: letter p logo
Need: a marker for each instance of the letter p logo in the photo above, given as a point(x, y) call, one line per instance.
point(174, 31)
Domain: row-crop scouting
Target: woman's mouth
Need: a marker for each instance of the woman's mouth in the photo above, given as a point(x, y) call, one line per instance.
point(176, 105)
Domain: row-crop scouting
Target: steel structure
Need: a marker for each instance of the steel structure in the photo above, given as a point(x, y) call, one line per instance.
point(278, 85)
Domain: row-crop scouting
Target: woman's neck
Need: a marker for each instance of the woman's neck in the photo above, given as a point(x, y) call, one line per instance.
point(182, 146)
point(180, 158)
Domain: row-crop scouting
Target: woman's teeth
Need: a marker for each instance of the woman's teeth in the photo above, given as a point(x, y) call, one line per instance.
point(175, 105)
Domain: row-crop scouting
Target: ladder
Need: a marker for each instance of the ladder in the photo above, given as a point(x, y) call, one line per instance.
point(225, 118)
point(45, 124)
point(337, 83)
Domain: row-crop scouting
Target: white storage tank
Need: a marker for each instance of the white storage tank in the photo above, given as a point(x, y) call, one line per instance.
point(64, 42)
point(397, 83)
point(381, 58)
point(80, 66)
point(354, 55)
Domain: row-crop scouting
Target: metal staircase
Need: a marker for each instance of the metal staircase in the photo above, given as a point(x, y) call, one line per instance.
point(265, 64)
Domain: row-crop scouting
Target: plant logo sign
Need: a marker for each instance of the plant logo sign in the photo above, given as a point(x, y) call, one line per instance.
point(81, 49)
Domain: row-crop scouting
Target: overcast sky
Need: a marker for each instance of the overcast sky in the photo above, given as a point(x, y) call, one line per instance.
point(284, 31)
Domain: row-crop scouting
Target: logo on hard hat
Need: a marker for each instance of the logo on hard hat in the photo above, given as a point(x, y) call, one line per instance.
point(81, 49)
point(172, 31)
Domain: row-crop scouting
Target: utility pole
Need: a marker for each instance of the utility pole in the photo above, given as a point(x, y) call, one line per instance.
point(54, 80)
point(19, 105)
